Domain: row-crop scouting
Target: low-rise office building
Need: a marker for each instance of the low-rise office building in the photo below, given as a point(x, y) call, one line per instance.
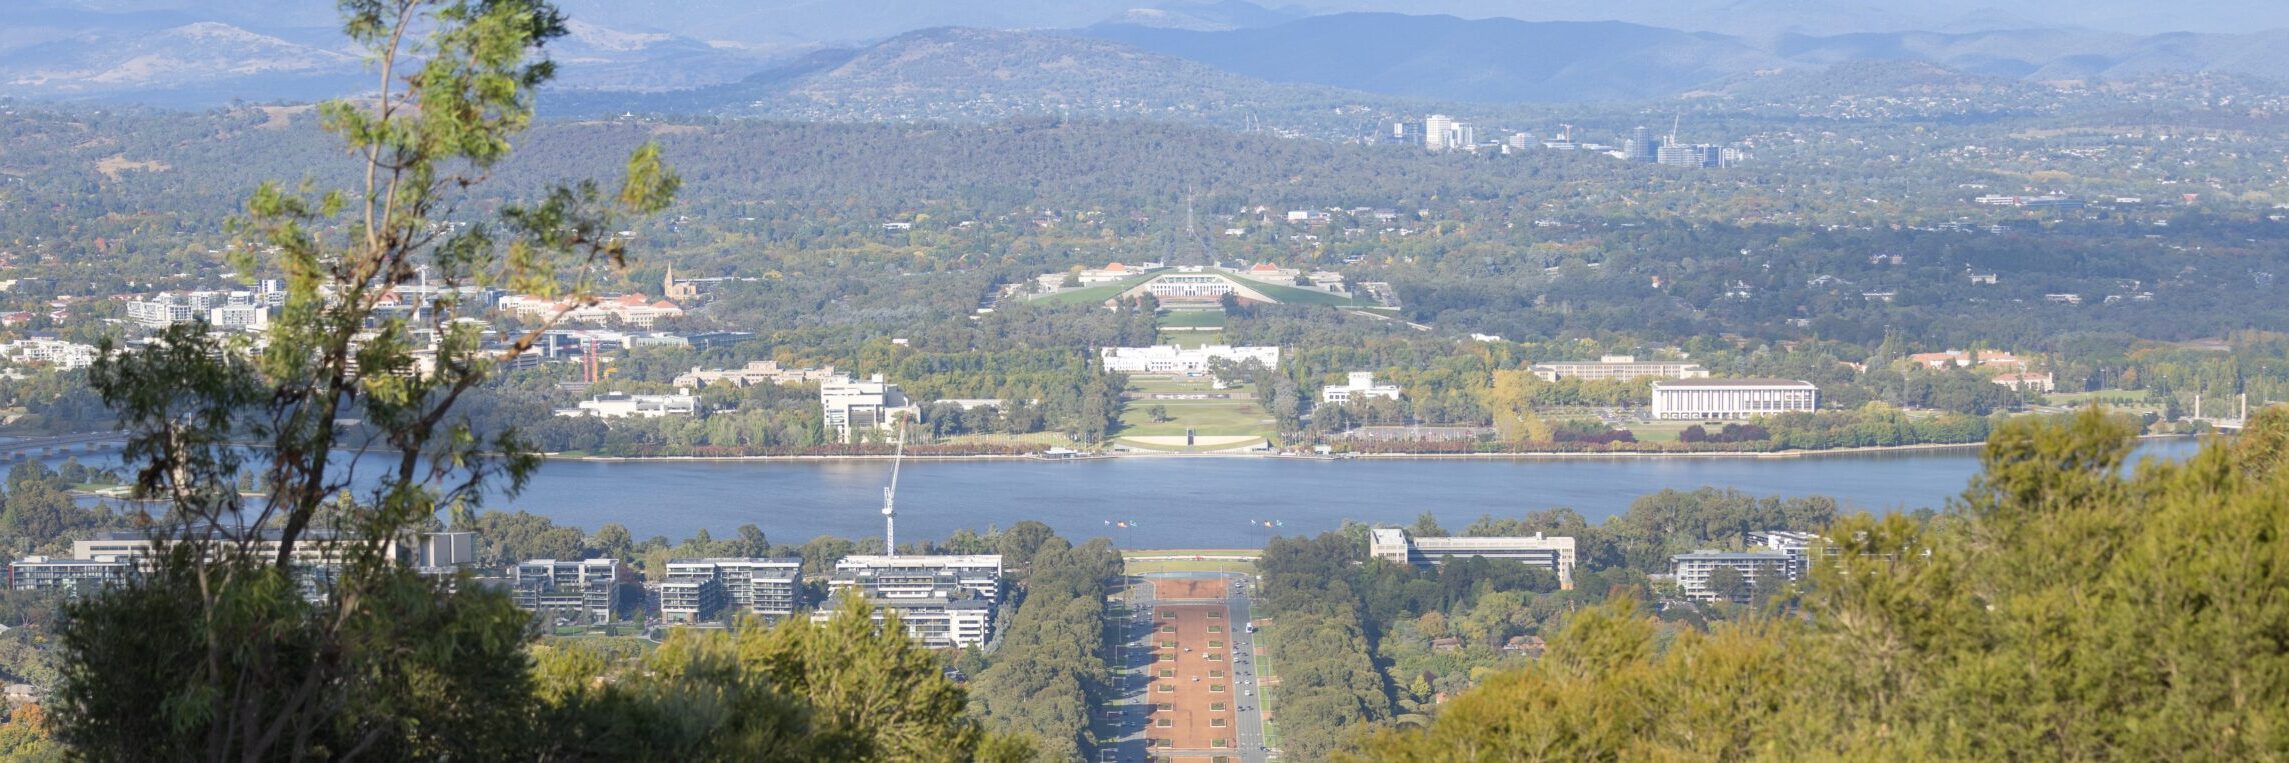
point(1718, 399)
point(755, 372)
point(315, 547)
point(1621, 367)
point(42, 573)
point(873, 404)
point(1360, 385)
point(618, 405)
point(1554, 553)
point(1966, 359)
point(626, 309)
point(2023, 382)
point(110, 557)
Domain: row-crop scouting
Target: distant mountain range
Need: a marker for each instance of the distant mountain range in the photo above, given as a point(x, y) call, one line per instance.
point(1503, 60)
point(973, 74)
point(1446, 58)
point(122, 51)
point(1218, 60)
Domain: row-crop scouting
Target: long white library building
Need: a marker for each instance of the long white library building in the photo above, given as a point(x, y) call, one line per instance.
point(1717, 399)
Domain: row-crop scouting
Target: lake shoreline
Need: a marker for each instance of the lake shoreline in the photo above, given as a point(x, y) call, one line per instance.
point(1527, 456)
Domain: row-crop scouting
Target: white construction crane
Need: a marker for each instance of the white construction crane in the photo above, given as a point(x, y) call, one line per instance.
point(890, 495)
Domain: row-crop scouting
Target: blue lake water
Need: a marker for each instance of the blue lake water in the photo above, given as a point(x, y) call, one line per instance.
point(1191, 502)
point(1194, 502)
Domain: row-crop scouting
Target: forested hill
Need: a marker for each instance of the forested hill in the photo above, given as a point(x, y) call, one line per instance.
point(1507, 60)
point(1483, 60)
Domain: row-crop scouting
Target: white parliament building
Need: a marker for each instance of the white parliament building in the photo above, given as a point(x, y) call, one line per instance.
point(1717, 399)
point(1170, 359)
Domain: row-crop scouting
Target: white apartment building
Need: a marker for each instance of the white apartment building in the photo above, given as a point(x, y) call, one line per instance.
point(1759, 568)
point(1716, 399)
point(1797, 545)
point(616, 405)
point(591, 587)
point(240, 317)
point(1552, 553)
point(61, 354)
point(696, 589)
point(945, 621)
point(158, 312)
point(692, 592)
point(978, 573)
point(238, 310)
point(873, 404)
point(1170, 359)
point(1361, 386)
point(1618, 367)
point(942, 601)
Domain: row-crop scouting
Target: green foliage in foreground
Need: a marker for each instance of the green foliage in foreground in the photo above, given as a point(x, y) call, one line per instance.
point(1328, 683)
point(2062, 610)
point(844, 691)
point(230, 649)
point(1050, 668)
point(437, 672)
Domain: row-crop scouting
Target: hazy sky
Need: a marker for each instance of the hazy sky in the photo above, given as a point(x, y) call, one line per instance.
point(790, 20)
point(2136, 16)
point(796, 22)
